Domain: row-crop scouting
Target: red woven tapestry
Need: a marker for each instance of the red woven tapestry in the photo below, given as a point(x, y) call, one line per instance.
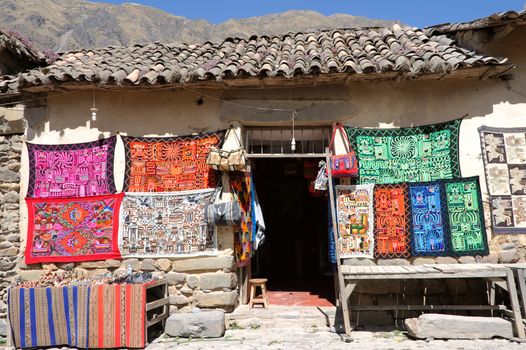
point(391, 221)
point(241, 186)
point(72, 170)
point(72, 230)
point(169, 164)
point(117, 316)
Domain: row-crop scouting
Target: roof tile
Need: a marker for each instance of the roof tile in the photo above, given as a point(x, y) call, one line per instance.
point(354, 51)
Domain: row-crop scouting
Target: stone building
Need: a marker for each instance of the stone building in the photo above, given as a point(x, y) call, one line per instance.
point(374, 77)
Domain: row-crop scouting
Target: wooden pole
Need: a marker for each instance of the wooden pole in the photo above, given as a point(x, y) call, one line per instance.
point(344, 302)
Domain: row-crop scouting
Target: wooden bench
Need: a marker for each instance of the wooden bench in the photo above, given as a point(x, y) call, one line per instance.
point(497, 274)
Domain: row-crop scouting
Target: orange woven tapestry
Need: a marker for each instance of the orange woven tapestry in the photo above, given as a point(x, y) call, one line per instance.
point(169, 164)
point(391, 221)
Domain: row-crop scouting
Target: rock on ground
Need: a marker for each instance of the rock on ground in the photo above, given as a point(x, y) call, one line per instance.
point(203, 324)
point(440, 326)
point(3, 328)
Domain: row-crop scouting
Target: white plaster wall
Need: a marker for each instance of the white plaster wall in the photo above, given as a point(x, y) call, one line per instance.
point(160, 113)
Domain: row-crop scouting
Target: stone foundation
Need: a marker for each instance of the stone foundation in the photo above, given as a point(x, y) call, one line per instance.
point(204, 282)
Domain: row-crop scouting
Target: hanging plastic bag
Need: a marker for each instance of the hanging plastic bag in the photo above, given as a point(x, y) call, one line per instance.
point(320, 184)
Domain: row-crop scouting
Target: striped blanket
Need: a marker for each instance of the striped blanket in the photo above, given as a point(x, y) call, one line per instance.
point(105, 316)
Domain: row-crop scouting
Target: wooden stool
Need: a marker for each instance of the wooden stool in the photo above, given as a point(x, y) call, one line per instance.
point(263, 298)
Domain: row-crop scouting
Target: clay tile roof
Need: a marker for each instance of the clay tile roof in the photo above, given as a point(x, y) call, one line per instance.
point(405, 51)
point(26, 57)
point(497, 19)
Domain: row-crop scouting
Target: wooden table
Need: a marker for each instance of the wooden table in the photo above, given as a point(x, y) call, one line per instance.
point(498, 274)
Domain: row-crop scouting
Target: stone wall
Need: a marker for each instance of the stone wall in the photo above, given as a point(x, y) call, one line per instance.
point(10, 151)
point(204, 282)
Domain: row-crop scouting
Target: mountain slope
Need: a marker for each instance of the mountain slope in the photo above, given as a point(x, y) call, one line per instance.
point(64, 25)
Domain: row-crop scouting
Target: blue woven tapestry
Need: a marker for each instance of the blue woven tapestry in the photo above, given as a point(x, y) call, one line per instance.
point(428, 219)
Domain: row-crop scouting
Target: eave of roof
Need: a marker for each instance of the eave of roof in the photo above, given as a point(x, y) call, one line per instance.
point(496, 19)
point(290, 59)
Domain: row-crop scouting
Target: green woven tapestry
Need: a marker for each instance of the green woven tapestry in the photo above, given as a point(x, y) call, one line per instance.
point(466, 216)
point(423, 153)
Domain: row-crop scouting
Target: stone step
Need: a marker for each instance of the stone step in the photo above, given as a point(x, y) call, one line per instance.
point(281, 316)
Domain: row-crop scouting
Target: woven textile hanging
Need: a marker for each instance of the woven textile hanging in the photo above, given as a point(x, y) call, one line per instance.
point(240, 183)
point(430, 232)
point(117, 316)
point(99, 316)
point(355, 218)
point(166, 224)
point(42, 317)
point(504, 155)
point(73, 230)
point(72, 170)
point(169, 164)
point(391, 221)
point(423, 153)
point(466, 216)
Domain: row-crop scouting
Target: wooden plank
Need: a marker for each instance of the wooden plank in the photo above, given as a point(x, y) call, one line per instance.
point(445, 269)
point(427, 307)
point(157, 303)
point(346, 269)
point(406, 270)
point(429, 268)
point(515, 307)
point(344, 301)
point(157, 319)
point(420, 269)
point(399, 269)
point(154, 284)
point(429, 275)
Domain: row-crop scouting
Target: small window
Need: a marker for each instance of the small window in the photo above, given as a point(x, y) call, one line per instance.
point(276, 141)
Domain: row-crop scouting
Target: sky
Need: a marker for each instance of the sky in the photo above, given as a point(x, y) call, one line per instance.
point(418, 13)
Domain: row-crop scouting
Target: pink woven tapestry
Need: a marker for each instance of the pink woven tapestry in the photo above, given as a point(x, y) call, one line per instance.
point(73, 170)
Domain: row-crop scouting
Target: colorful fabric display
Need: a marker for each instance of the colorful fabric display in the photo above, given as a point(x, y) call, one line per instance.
point(117, 316)
point(423, 153)
point(430, 236)
point(73, 170)
point(355, 220)
point(104, 316)
point(42, 317)
point(504, 155)
point(466, 216)
point(72, 230)
point(166, 224)
point(332, 246)
point(240, 183)
point(391, 221)
point(168, 164)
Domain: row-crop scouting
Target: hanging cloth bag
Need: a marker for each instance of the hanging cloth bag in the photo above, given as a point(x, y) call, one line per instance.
point(228, 160)
point(219, 213)
point(344, 164)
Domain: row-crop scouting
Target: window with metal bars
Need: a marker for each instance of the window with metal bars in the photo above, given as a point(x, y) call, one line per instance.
point(265, 142)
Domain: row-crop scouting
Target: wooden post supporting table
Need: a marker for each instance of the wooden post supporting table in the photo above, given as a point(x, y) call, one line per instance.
point(344, 294)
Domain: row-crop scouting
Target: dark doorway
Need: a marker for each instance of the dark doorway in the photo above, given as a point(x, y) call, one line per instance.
point(294, 256)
